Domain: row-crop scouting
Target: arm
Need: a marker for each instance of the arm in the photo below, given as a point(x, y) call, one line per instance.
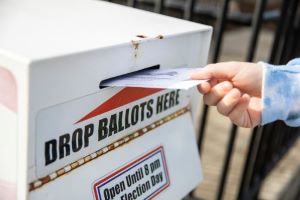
point(252, 94)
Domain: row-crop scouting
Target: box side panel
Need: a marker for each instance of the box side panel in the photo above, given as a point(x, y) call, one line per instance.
point(8, 134)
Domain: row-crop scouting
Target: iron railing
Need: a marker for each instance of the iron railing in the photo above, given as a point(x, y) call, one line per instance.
point(267, 144)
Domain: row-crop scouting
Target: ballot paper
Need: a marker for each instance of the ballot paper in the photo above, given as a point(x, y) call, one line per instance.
point(177, 78)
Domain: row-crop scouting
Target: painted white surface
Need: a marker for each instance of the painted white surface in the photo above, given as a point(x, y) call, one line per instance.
point(8, 145)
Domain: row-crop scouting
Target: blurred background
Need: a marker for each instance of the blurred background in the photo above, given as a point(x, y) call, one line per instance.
point(238, 163)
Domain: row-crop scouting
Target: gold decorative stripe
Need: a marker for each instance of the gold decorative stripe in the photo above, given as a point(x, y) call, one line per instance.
point(51, 177)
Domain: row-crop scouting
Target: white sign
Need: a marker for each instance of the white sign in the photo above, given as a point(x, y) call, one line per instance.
point(70, 131)
point(143, 178)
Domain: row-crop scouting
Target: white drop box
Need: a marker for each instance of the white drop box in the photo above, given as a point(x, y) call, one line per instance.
point(61, 137)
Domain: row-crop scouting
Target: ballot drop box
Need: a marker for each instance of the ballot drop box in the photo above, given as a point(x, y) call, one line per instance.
point(63, 137)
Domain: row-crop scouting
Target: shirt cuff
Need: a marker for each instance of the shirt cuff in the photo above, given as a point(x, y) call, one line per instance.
point(275, 93)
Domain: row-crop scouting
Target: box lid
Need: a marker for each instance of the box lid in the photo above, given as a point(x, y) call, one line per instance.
point(33, 29)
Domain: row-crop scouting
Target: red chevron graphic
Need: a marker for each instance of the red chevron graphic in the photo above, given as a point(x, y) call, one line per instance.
point(125, 96)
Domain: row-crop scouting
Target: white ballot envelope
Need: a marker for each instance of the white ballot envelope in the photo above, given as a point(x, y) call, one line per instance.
point(177, 78)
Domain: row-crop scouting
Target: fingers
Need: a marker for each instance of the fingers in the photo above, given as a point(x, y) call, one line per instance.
point(225, 70)
point(205, 87)
point(254, 110)
point(242, 110)
point(237, 115)
point(229, 101)
point(217, 93)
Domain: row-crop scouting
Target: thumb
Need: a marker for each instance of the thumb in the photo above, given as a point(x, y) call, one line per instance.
point(225, 70)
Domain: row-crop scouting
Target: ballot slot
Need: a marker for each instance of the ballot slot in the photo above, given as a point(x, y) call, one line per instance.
point(101, 84)
point(170, 78)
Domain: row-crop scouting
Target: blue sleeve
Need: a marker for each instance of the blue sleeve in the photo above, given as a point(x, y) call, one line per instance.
point(281, 93)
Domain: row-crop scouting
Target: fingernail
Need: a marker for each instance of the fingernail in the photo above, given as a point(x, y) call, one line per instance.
point(245, 98)
point(236, 93)
point(226, 85)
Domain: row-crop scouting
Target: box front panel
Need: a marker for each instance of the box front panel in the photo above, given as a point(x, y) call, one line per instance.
point(81, 135)
point(101, 146)
point(69, 131)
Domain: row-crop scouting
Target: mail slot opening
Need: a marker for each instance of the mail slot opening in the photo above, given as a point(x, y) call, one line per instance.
point(101, 84)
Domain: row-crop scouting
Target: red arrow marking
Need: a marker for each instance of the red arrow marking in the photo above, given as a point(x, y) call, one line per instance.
point(125, 96)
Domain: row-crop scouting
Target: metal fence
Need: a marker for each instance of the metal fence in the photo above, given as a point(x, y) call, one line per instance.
point(268, 144)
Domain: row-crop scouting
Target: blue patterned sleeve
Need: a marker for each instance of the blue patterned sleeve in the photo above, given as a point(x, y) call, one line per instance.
point(281, 93)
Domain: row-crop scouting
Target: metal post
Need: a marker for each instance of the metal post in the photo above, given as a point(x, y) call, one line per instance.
point(278, 34)
point(159, 6)
point(256, 136)
point(189, 10)
point(132, 3)
point(226, 165)
point(256, 25)
point(219, 30)
point(284, 33)
point(284, 51)
point(204, 117)
point(247, 171)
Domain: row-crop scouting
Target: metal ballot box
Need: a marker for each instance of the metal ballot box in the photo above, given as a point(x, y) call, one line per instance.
point(61, 136)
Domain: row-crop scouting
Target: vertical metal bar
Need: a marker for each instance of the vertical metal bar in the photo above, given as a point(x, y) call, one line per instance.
point(226, 165)
point(279, 29)
point(256, 25)
point(285, 51)
point(189, 10)
point(277, 147)
point(261, 155)
point(259, 162)
point(204, 117)
point(159, 6)
point(132, 3)
point(284, 33)
point(297, 32)
point(247, 171)
point(219, 30)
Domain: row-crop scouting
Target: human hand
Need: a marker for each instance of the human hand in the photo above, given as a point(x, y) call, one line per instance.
point(235, 88)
